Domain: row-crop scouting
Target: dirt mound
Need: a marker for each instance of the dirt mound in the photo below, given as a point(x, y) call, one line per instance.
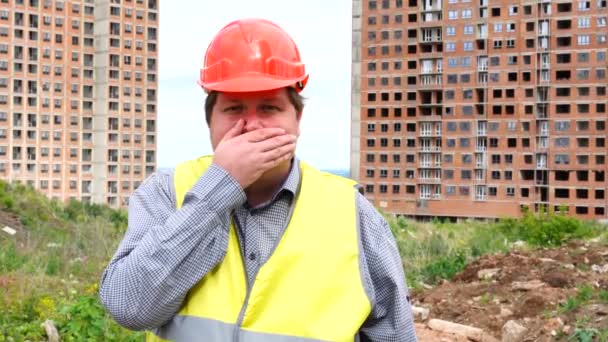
point(540, 290)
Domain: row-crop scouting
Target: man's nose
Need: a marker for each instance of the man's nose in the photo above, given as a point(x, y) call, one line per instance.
point(252, 122)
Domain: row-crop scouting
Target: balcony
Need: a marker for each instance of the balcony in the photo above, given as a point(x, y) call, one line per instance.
point(429, 84)
point(426, 7)
point(431, 71)
point(431, 104)
point(430, 149)
point(431, 18)
point(431, 39)
point(429, 180)
point(430, 165)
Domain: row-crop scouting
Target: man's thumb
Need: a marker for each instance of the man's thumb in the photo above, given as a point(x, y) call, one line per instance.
point(235, 131)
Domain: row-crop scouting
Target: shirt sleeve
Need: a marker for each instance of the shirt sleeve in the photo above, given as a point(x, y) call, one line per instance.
point(384, 279)
point(166, 251)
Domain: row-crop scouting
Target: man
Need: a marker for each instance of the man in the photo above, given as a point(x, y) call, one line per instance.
point(251, 244)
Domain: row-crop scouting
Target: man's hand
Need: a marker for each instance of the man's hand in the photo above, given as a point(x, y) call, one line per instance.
point(247, 156)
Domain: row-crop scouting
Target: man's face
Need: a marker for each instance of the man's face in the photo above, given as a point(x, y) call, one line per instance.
point(270, 108)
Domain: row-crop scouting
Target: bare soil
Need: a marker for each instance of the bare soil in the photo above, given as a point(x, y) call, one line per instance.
point(555, 275)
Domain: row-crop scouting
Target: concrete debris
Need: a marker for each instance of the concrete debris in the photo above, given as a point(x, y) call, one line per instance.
point(504, 312)
point(51, 331)
point(487, 273)
point(420, 314)
point(9, 230)
point(472, 333)
point(513, 332)
point(527, 285)
point(553, 325)
point(546, 260)
point(600, 269)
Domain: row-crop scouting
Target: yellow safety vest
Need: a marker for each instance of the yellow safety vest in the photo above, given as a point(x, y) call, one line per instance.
point(310, 288)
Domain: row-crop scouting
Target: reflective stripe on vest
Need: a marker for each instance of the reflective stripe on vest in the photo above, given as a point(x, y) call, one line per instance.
point(311, 285)
point(188, 328)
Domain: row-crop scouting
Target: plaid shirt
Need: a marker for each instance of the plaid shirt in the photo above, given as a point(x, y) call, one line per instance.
point(167, 251)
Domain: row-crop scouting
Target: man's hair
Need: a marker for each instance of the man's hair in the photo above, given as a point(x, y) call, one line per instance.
point(295, 98)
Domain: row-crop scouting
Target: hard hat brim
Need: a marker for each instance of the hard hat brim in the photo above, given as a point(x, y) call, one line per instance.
point(253, 83)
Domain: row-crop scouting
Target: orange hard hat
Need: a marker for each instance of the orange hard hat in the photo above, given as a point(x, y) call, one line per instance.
point(252, 55)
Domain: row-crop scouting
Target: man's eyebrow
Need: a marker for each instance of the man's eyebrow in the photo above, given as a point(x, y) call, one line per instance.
point(233, 100)
point(273, 98)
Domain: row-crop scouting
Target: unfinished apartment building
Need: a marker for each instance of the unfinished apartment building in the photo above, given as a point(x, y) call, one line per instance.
point(78, 96)
point(480, 108)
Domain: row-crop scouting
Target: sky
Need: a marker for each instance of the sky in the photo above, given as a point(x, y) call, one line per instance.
point(322, 31)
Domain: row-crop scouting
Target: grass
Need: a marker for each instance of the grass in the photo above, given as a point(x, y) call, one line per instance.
point(439, 250)
point(585, 294)
point(485, 299)
point(54, 266)
point(432, 252)
point(584, 334)
point(584, 330)
point(603, 296)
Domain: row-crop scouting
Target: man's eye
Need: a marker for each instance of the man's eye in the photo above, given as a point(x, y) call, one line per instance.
point(232, 109)
point(269, 108)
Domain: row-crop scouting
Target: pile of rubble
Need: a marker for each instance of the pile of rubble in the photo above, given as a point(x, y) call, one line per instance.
point(520, 296)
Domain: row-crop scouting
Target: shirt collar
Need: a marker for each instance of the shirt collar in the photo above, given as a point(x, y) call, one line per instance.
point(290, 185)
point(292, 182)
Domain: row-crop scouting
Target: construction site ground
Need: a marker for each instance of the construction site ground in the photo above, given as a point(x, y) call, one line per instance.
point(553, 294)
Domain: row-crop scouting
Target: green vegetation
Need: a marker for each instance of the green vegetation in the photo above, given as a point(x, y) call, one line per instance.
point(50, 269)
point(603, 295)
point(547, 230)
point(584, 295)
point(439, 250)
point(584, 334)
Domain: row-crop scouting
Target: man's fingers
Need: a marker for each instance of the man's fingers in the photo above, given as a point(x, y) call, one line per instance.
point(275, 162)
point(262, 134)
point(279, 153)
point(235, 131)
point(276, 142)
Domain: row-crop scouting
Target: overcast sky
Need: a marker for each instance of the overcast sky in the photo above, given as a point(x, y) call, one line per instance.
point(322, 31)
